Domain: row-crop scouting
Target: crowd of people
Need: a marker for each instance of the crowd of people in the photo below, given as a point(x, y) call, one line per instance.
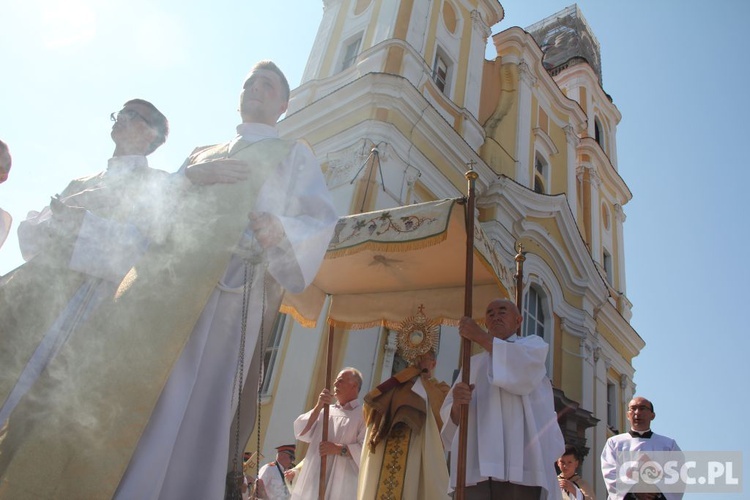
point(155, 288)
point(399, 442)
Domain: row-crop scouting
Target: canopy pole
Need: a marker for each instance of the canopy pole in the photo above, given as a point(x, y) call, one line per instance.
point(324, 460)
point(463, 419)
point(520, 258)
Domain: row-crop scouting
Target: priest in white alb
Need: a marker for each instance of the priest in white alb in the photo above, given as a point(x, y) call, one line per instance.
point(343, 448)
point(513, 437)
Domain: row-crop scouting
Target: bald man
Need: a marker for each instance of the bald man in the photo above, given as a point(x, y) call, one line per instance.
point(343, 449)
point(513, 435)
point(639, 438)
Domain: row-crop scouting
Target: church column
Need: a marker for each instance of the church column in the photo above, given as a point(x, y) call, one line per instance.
point(624, 306)
point(391, 344)
point(321, 46)
point(411, 176)
point(480, 32)
point(600, 432)
point(588, 382)
point(626, 390)
point(582, 178)
point(590, 355)
point(596, 228)
point(471, 129)
point(523, 134)
point(571, 141)
point(588, 372)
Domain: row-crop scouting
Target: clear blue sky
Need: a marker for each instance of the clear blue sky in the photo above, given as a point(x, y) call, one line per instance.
point(676, 69)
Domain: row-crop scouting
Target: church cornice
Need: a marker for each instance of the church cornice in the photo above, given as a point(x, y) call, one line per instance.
point(522, 204)
point(583, 75)
point(626, 339)
point(391, 101)
point(606, 172)
point(516, 46)
point(479, 25)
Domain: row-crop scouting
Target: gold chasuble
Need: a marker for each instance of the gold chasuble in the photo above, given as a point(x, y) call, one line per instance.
point(73, 434)
point(404, 456)
point(35, 293)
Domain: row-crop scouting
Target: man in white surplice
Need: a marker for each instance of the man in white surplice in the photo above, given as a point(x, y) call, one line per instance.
point(183, 451)
point(635, 446)
point(513, 438)
point(346, 433)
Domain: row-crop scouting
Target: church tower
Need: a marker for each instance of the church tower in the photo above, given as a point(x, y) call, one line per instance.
point(403, 77)
point(397, 98)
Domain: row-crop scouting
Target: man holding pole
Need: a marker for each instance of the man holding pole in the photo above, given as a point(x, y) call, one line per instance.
point(513, 438)
point(341, 450)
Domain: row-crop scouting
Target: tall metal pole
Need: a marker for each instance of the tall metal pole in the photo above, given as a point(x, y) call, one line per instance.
point(463, 418)
point(520, 258)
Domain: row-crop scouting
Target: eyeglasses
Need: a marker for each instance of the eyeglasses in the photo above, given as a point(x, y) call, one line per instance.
point(127, 113)
point(633, 409)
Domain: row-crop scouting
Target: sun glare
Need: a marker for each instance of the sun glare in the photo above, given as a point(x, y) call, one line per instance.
point(66, 22)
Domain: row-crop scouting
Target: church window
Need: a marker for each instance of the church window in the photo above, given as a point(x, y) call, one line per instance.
point(351, 52)
point(536, 318)
point(534, 313)
point(612, 406)
point(440, 72)
point(599, 133)
point(607, 265)
point(271, 355)
point(606, 217)
point(541, 172)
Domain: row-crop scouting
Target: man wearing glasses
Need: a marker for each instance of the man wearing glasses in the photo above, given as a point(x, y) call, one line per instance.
point(138, 129)
point(78, 249)
point(639, 438)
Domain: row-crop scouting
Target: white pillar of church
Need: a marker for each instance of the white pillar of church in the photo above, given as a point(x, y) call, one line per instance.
point(596, 228)
point(571, 146)
point(322, 41)
point(480, 32)
point(626, 390)
point(391, 344)
point(526, 81)
point(589, 356)
point(600, 431)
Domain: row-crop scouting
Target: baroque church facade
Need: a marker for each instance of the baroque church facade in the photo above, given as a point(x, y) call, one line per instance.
point(397, 100)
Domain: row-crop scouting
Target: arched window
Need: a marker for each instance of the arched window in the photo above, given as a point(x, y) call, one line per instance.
point(533, 313)
point(607, 265)
point(271, 355)
point(606, 217)
point(599, 134)
point(441, 71)
point(612, 407)
point(541, 171)
point(536, 319)
point(351, 51)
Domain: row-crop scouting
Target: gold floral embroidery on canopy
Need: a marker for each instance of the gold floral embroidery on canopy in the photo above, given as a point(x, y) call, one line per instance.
point(381, 266)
